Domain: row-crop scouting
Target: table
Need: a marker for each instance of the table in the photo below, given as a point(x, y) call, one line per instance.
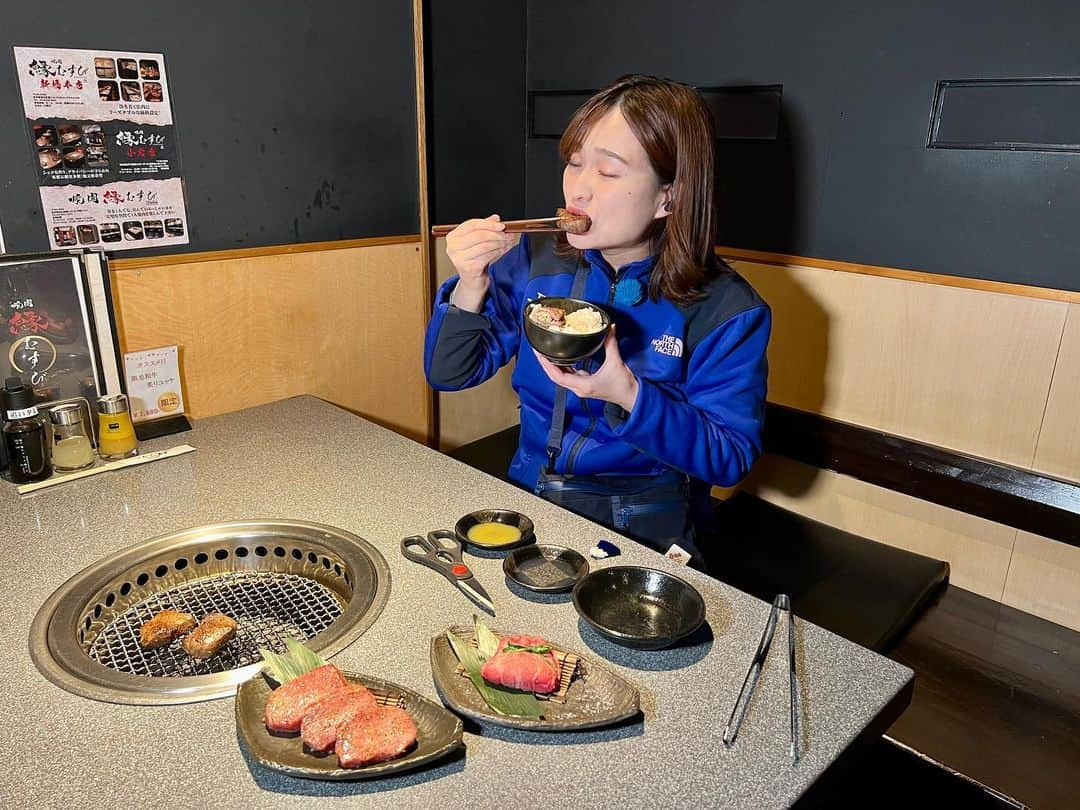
point(305, 459)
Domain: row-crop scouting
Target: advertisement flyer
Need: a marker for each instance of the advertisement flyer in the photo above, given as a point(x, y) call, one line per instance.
point(101, 127)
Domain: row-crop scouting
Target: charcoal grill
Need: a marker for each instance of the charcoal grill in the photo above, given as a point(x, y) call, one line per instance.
point(315, 583)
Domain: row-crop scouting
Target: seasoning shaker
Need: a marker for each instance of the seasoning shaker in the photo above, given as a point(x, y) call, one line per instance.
point(116, 433)
point(24, 434)
point(71, 447)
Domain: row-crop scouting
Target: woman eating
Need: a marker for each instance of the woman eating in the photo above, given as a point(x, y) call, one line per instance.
point(634, 436)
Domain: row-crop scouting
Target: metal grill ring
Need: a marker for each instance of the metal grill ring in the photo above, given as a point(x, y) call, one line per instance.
point(315, 583)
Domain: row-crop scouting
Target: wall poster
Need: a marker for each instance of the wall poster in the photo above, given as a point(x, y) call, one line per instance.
point(101, 129)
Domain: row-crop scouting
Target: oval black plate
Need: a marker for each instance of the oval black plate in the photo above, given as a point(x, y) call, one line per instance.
point(597, 696)
point(438, 733)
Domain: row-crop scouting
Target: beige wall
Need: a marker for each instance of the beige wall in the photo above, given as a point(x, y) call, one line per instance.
point(964, 369)
point(345, 325)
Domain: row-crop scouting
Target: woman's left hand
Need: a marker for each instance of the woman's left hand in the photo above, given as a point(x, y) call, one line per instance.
point(612, 382)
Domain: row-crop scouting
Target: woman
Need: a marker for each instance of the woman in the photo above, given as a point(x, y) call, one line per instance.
point(675, 401)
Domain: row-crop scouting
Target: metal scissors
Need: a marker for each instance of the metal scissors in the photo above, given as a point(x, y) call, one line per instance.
point(441, 551)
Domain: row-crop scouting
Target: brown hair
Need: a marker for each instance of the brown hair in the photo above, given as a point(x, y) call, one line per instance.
point(673, 124)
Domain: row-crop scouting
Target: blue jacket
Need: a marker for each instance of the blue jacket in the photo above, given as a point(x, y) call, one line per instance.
point(701, 367)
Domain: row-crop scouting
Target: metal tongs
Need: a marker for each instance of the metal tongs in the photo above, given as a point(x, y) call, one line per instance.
point(738, 711)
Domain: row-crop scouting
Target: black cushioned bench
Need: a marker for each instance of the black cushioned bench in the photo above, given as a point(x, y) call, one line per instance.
point(865, 591)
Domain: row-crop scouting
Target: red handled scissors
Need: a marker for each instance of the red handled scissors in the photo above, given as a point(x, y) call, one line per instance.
point(441, 551)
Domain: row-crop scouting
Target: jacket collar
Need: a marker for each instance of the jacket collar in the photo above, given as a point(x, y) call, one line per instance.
point(638, 269)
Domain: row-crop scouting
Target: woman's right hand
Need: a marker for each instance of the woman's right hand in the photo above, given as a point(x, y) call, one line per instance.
point(471, 247)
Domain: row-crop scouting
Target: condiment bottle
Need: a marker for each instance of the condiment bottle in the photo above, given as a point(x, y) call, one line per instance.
point(71, 448)
point(24, 434)
point(116, 434)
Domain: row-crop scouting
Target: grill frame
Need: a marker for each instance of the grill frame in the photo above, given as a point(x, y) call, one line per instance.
point(72, 617)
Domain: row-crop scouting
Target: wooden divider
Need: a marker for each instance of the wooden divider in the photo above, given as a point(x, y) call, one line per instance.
point(346, 325)
point(964, 369)
point(1058, 452)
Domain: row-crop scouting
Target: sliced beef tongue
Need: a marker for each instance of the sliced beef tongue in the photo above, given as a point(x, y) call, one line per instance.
point(163, 627)
point(319, 728)
point(287, 704)
point(375, 735)
point(213, 633)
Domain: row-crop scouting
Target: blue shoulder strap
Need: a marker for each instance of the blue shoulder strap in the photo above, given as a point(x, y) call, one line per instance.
point(558, 410)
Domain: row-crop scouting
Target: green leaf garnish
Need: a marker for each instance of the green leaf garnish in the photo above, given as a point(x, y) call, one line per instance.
point(539, 649)
point(298, 661)
point(486, 641)
point(511, 702)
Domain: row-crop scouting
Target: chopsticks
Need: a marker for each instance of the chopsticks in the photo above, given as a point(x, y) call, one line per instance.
point(742, 702)
point(562, 221)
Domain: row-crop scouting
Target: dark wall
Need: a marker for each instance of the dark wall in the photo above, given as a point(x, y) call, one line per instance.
point(296, 121)
point(849, 176)
point(476, 109)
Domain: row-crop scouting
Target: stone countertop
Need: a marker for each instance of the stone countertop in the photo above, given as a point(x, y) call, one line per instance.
point(304, 459)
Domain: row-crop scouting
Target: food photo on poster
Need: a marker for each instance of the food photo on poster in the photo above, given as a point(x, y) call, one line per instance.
point(108, 163)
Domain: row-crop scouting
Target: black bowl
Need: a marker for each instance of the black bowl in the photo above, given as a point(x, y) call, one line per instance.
point(507, 516)
point(565, 348)
point(639, 607)
point(545, 568)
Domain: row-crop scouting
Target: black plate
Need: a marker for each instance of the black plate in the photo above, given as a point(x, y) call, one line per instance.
point(545, 568)
point(597, 696)
point(639, 607)
point(507, 516)
point(438, 733)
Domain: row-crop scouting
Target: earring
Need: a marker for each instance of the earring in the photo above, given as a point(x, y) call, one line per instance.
point(667, 205)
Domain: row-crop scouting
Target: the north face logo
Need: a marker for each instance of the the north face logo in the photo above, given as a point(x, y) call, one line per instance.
point(671, 346)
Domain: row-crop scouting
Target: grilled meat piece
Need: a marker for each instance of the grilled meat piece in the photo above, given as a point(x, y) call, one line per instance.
point(375, 735)
point(547, 316)
point(213, 632)
point(287, 704)
point(163, 627)
point(319, 728)
point(528, 671)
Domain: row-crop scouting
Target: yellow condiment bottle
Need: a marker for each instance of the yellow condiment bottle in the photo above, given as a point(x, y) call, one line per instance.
point(116, 433)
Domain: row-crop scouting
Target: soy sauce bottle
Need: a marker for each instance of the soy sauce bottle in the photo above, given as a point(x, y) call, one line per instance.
point(25, 436)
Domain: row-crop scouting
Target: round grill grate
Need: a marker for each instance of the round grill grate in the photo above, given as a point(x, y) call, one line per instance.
point(267, 606)
point(275, 578)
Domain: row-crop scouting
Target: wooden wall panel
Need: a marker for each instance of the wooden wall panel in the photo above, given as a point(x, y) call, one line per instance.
point(965, 369)
point(1058, 452)
point(977, 550)
point(476, 412)
point(1044, 579)
point(345, 325)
